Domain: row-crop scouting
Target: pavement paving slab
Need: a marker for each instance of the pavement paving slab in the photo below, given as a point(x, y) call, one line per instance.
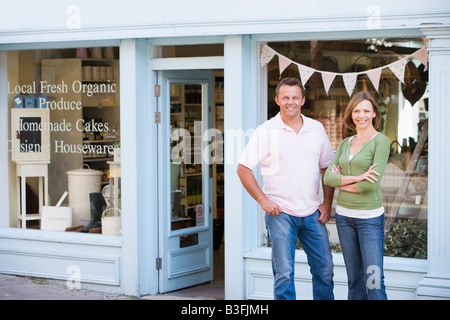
point(13, 287)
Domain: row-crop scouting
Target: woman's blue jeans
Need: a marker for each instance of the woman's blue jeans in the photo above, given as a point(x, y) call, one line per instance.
point(284, 230)
point(362, 243)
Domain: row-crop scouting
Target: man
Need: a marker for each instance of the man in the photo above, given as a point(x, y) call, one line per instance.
point(292, 151)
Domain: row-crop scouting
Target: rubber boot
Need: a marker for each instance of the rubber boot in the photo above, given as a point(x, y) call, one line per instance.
point(96, 201)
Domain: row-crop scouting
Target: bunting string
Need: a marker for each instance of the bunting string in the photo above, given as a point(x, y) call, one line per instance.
point(350, 78)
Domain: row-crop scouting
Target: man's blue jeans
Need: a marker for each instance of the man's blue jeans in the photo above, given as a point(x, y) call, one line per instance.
point(284, 230)
point(362, 247)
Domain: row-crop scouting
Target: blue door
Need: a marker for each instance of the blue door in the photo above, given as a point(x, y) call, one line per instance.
point(185, 219)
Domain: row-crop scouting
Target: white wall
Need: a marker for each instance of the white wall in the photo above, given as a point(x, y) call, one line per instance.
point(49, 20)
point(93, 262)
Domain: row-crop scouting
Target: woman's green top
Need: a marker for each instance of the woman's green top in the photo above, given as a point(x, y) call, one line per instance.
point(374, 151)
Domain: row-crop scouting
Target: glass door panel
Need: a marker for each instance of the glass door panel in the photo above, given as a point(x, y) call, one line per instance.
point(186, 128)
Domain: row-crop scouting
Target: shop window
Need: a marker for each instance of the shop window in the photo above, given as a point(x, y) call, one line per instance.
point(404, 108)
point(64, 139)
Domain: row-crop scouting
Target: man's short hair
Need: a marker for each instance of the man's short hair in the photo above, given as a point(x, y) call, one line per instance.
point(290, 82)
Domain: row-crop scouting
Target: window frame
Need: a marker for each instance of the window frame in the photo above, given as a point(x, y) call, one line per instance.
point(5, 158)
point(260, 244)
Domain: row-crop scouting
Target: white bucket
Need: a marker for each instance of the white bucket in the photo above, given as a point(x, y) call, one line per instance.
point(111, 224)
point(81, 183)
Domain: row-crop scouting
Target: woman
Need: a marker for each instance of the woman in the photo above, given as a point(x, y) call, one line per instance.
point(357, 169)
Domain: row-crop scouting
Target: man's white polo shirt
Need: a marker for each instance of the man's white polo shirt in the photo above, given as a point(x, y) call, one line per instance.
point(290, 163)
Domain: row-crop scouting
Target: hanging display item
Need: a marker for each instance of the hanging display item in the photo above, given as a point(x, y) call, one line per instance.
point(415, 83)
point(397, 67)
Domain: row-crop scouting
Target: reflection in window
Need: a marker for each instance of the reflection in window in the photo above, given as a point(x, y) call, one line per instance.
point(404, 120)
point(70, 100)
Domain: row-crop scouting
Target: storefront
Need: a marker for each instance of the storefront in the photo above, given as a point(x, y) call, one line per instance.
point(142, 116)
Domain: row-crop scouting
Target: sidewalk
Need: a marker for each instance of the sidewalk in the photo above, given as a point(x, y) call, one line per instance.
point(27, 288)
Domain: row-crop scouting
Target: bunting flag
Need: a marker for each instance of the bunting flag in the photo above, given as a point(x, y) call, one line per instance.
point(422, 56)
point(398, 68)
point(267, 54)
point(374, 76)
point(350, 82)
point(305, 73)
point(283, 63)
point(328, 78)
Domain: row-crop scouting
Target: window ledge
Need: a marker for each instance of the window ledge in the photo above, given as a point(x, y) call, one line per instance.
point(390, 263)
point(60, 236)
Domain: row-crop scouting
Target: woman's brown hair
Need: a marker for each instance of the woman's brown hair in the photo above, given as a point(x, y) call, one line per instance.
point(357, 98)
